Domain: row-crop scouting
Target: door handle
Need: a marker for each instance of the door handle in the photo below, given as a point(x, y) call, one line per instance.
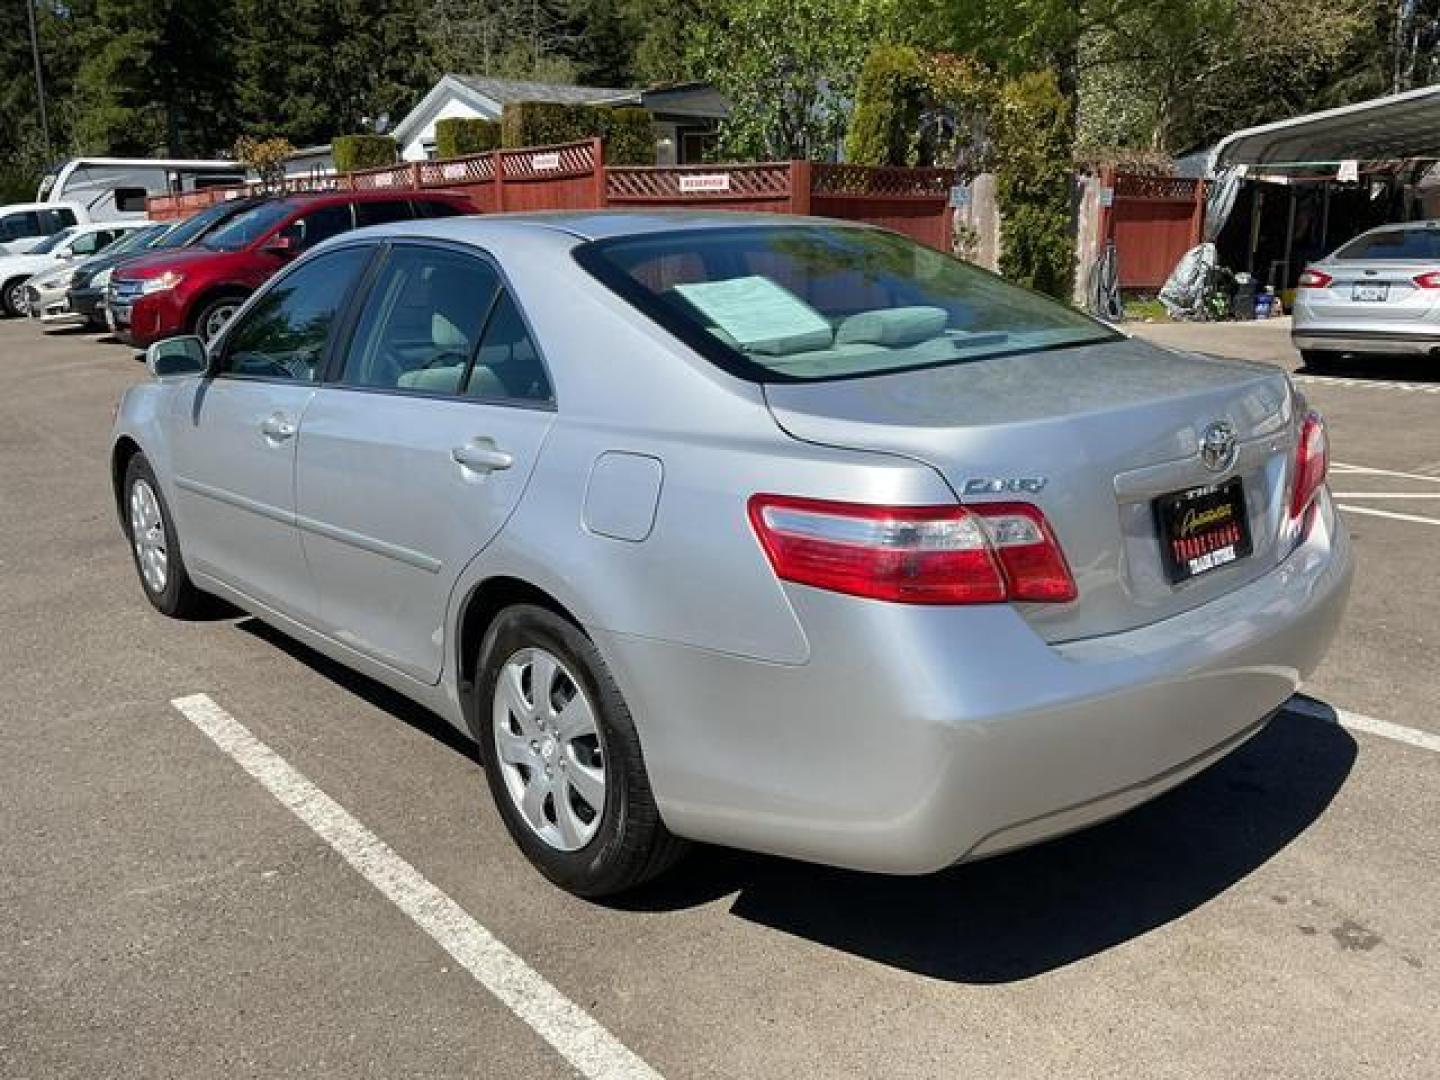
point(278, 427)
point(482, 455)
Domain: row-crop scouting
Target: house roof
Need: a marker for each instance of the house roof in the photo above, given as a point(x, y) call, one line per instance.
point(504, 91)
point(489, 96)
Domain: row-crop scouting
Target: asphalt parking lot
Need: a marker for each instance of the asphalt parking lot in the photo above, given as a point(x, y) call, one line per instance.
point(178, 903)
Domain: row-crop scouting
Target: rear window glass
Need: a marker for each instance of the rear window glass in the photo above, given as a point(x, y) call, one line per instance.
point(1421, 244)
point(803, 303)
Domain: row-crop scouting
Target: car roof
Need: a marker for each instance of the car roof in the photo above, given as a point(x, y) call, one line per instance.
point(595, 224)
point(322, 198)
point(1401, 226)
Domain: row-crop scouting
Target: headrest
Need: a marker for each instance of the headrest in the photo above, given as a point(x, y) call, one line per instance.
point(894, 327)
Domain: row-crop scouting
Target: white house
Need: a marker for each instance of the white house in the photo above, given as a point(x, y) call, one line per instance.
point(685, 113)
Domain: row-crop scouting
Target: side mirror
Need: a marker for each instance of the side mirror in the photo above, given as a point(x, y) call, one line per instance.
point(177, 356)
point(281, 245)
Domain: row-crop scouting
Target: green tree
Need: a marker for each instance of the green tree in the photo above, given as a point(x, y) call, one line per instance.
point(603, 42)
point(789, 68)
point(663, 29)
point(156, 78)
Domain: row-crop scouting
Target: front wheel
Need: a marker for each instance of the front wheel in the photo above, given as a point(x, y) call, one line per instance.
point(153, 544)
point(12, 298)
point(215, 315)
point(562, 757)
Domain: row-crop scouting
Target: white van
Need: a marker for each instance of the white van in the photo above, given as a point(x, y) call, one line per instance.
point(23, 225)
point(111, 188)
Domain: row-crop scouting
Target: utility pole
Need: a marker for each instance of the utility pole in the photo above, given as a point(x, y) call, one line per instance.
point(39, 79)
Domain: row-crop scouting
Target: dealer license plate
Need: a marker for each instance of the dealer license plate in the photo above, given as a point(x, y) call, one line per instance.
point(1202, 529)
point(1369, 294)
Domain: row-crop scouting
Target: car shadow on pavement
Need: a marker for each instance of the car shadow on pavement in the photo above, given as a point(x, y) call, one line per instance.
point(1376, 369)
point(1019, 915)
point(362, 686)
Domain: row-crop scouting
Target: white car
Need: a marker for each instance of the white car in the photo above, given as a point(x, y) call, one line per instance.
point(66, 246)
point(24, 225)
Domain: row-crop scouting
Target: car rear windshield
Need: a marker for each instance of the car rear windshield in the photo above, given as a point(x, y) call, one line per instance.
point(247, 226)
point(813, 302)
point(1419, 244)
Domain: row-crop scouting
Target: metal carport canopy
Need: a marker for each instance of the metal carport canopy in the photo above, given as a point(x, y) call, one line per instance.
point(1402, 126)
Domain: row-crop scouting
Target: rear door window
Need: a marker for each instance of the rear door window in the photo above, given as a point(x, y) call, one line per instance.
point(434, 208)
point(60, 218)
point(422, 321)
point(381, 212)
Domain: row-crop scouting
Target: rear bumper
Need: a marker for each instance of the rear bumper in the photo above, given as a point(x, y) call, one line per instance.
point(1381, 342)
point(915, 738)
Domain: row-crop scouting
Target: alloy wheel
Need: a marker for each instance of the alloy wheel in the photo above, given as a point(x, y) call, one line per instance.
point(548, 748)
point(216, 319)
point(147, 533)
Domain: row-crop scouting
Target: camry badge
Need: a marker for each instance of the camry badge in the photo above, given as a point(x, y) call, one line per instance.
point(1005, 485)
point(1217, 446)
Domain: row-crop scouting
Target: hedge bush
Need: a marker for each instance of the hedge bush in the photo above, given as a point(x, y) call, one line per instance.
point(885, 124)
point(544, 123)
point(352, 152)
point(458, 136)
point(629, 136)
point(1034, 183)
point(627, 132)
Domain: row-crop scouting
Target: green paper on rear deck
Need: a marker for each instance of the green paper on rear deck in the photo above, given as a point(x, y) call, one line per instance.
point(760, 315)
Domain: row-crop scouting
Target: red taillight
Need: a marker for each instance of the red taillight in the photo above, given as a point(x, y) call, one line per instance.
point(1312, 462)
point(1428, 280)
point(981, 554)
point(1315, 279)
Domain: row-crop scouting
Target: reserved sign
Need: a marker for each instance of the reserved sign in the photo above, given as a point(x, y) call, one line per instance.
point(545, 162)
point(705, 182)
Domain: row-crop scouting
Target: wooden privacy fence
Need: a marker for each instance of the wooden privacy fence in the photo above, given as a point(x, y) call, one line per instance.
point(574, 176)
point(1153, 220)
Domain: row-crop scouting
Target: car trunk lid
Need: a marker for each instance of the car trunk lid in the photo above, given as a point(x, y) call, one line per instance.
point(1109, 428)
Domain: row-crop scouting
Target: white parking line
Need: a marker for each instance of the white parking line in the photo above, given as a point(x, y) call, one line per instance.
point(1366, 384)
point(580, 1039)
point(1340, 466)
point(1415, 519)
point(1316, 710)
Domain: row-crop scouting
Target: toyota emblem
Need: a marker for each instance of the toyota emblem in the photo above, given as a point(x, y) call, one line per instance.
point(1217, 446)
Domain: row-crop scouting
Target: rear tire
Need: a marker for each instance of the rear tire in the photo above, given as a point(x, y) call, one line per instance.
point(556, 737)
point(154, 546)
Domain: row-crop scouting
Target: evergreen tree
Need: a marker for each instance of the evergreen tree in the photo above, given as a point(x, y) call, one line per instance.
point(156, 78)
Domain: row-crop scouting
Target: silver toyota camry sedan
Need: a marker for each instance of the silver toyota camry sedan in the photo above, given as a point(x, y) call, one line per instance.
point(778, 533)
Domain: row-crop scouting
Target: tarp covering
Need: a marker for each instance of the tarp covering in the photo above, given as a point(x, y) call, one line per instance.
point(1383, 129)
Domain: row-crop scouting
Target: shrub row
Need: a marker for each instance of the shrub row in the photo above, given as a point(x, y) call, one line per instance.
point(627, 132)
point(352, 152)
point(458, 136)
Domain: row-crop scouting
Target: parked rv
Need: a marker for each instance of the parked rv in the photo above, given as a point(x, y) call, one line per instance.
point(118, 187)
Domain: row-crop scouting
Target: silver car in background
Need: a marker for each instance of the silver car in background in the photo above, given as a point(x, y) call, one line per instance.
point(1377, 295)
point(777, 533)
